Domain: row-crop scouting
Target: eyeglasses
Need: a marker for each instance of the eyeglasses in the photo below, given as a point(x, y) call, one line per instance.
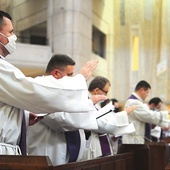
point(68, 74)
point(104, 91)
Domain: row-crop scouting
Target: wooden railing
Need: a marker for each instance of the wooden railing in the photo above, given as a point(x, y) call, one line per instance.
point(141, 155)
point(159, 155)
point(150, 156)
point(12, 162)
point(157, 158)
point(118, 162)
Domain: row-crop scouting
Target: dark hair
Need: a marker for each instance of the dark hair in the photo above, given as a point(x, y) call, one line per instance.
point(3, 14)
point(105, 102)
point(142, 84)
point(59, 61)
point(155, 101)
point(98, 82)
point(114, 100)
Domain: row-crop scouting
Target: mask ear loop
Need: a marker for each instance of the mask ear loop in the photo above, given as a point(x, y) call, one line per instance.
point(1, 34)
point(11, 44)
point(4, 36)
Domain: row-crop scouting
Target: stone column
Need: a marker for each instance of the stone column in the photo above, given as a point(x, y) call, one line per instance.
point(70, 28)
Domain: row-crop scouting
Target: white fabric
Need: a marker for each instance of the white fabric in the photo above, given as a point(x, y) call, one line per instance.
point(63, 121)
point(108, 124)
point(9, 149)
point(48, 92)
point(93, 148)
point(111, 121)
point(47, 137)
point(141, 115)
point(101, 111)
point(41, 95)
point(114, 144)
point(156, 132)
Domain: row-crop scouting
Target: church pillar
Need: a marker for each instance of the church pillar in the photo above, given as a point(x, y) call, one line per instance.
point(70, 27)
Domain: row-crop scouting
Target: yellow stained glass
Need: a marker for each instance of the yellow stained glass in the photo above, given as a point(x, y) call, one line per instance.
point(135, 53)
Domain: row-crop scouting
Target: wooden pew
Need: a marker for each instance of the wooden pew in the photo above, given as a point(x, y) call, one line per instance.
point(168, 166)
point(141, 155)
point(150, 156)
point(12, 162)
point(167, 140)
point(159, 155)
point(118, 162)
point(133, 157)
point(124, 161)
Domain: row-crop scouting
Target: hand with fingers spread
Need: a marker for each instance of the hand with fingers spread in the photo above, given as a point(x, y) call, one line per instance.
point(97, 98)
point(88, 68)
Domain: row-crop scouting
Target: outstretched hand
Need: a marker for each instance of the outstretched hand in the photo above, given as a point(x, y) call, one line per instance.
point(88, 68)
point(130, 109)
point(97, 98)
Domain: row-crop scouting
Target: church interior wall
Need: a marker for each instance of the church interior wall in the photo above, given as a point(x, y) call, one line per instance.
point(120, 21)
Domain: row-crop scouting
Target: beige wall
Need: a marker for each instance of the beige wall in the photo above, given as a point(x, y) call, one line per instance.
point(148, 20)
point(28, 13)
point(103, 19)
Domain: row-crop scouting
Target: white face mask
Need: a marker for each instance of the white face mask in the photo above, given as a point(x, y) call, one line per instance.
point(11, 45)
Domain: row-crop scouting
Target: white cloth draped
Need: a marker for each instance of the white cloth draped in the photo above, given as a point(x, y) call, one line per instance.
point(40, 95)
point(111, 123)
point(47, 137)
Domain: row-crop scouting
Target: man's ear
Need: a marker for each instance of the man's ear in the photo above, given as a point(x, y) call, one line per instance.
point(141, 90)
point(54, 73)
point(96, 91)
